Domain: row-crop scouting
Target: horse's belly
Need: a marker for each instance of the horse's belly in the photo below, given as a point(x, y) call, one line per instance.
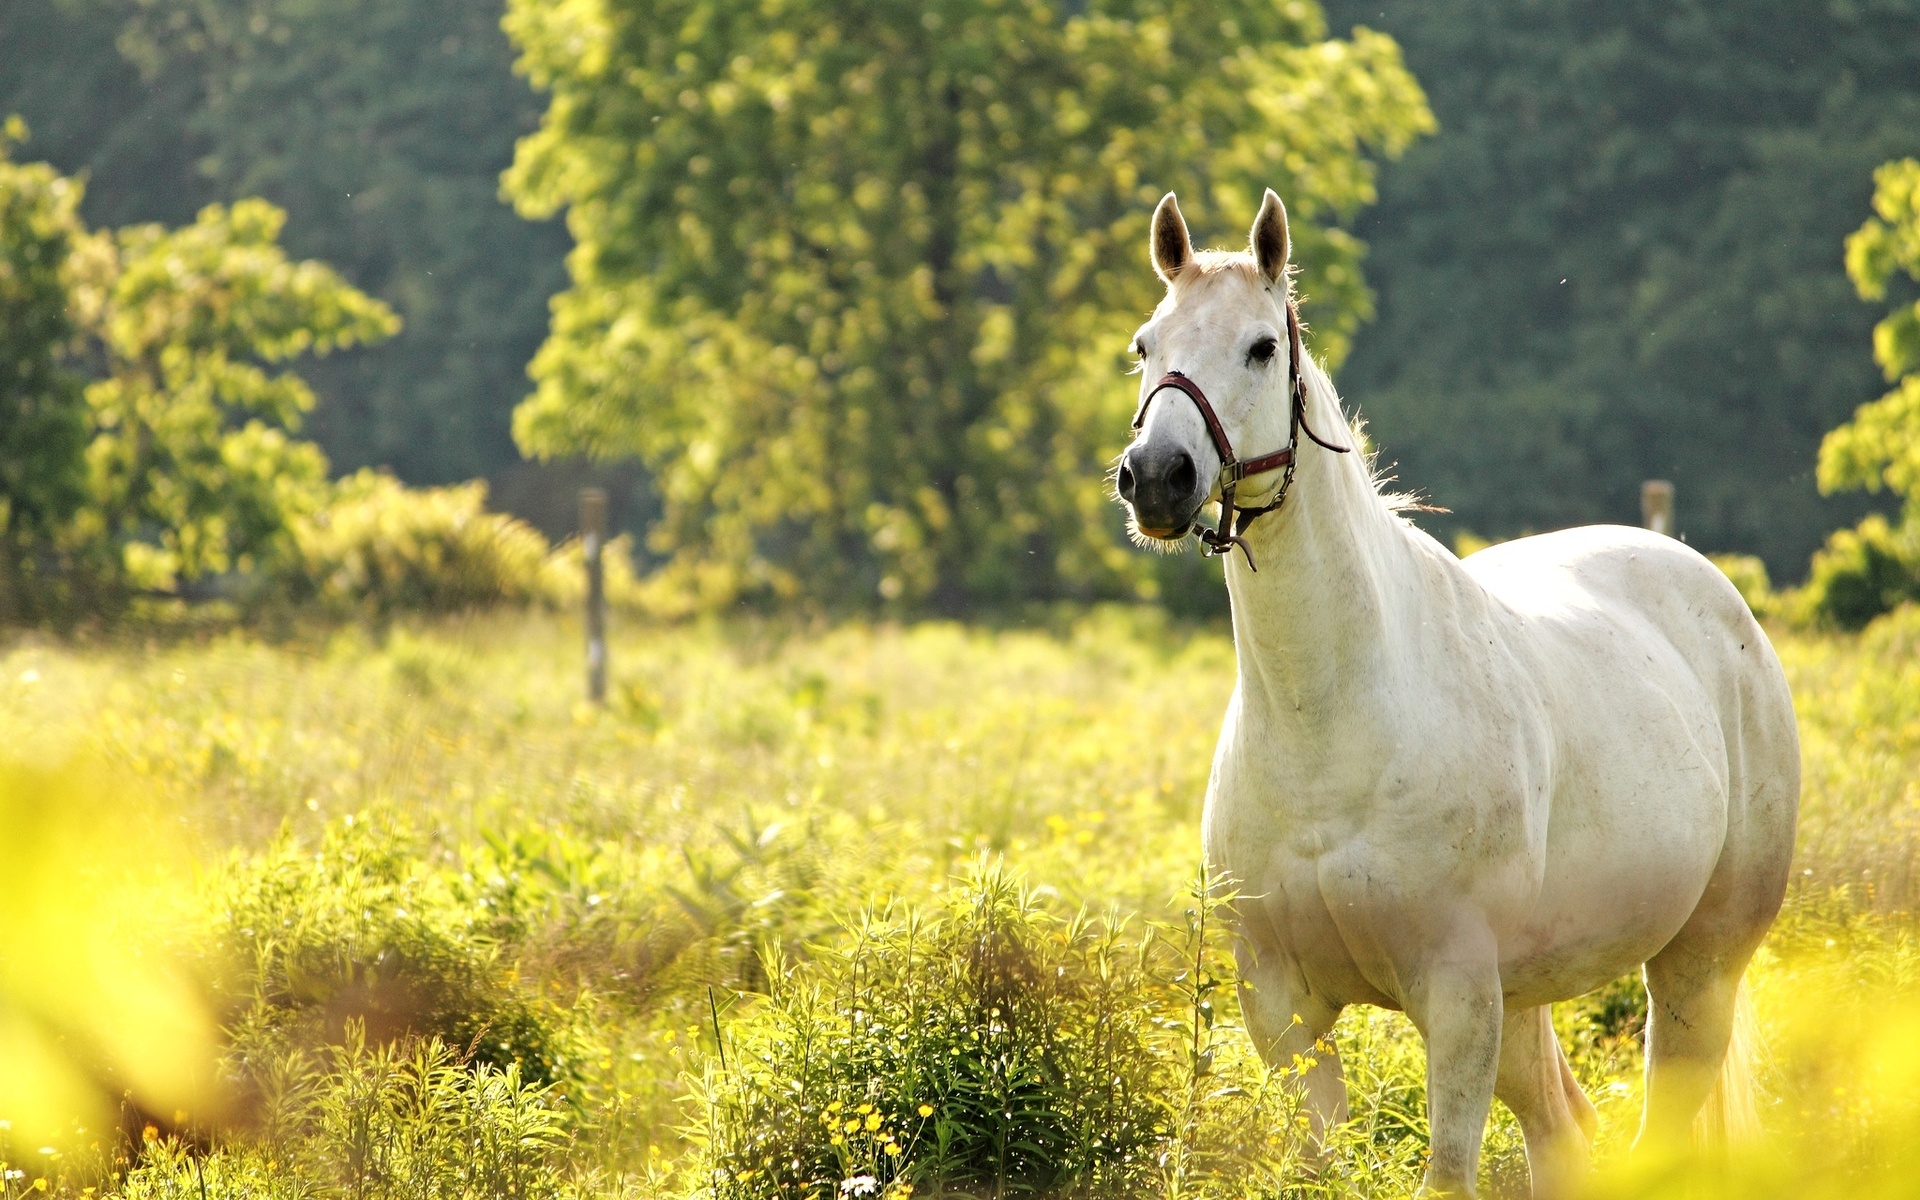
point(1631, 846)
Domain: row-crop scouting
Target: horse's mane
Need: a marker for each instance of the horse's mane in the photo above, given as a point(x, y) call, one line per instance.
point(1380, 477)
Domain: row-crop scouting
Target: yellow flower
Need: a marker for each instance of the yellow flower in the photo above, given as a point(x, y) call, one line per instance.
point(837, 1139)
point(893, 1149)
point(864, 1109)
point(873, 1121)
point(926, 1110)
point(852, 1124)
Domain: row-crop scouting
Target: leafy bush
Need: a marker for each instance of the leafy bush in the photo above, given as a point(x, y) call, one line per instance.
point(396, 1122)
point(991, 1048)
point(1861, 573)
point(385, 547)
point(366, 935)
point(1748, 574)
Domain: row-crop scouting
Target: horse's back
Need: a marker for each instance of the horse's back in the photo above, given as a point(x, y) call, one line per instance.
point(1652, 605)
point(1646, 591)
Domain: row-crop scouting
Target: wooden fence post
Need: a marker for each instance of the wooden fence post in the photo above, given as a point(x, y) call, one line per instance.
point(1656, 506)
point(593, 537)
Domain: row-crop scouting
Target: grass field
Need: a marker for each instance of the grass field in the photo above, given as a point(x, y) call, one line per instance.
point(836, 911)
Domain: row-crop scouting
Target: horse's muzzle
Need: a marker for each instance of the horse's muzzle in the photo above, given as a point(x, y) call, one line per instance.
point(1162, 487)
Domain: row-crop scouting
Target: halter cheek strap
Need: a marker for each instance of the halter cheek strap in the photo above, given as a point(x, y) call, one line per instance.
point(1235, 518)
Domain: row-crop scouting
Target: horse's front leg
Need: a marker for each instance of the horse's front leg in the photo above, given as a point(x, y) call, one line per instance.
point(1286, 1019)
point(1455, 1001)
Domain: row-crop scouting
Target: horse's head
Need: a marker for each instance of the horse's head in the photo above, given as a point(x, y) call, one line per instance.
point(1223, 327)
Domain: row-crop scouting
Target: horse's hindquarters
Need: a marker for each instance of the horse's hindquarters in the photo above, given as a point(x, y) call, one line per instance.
point(1676, 765)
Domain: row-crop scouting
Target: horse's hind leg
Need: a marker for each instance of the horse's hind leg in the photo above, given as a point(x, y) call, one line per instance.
point(1537, 1083)
point(1691, 999)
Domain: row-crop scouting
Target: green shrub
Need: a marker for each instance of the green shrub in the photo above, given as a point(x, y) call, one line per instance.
point(1861, 573)
point(1748, 574)
point(988, 1049)
point(365, 934)
point(395, 1122)
point(384, 547)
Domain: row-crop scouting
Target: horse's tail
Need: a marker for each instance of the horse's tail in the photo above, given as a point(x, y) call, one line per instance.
point(1731, 1117)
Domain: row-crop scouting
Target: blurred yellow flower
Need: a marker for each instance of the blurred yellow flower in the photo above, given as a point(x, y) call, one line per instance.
point(85, 994)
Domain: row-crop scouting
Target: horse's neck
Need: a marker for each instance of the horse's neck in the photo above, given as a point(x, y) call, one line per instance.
point(1313, 624)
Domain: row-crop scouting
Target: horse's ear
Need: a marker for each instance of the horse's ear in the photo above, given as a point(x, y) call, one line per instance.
point(1172, 249)
point(1270, 244)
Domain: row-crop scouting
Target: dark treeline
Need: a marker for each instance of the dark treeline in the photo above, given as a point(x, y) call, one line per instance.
point(1687, 167)
point(381, 126)
point(1690, 169)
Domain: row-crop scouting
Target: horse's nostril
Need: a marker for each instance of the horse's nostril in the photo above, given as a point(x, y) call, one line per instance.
point(1181, 477)
point(1124, 482)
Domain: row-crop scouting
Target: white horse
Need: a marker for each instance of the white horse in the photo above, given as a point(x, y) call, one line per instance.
point(1461, 789)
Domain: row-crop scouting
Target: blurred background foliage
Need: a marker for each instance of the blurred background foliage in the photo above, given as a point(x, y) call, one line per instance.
point(380, 128)
point(1688, 170)
point(856, 280)
point(1621, 258)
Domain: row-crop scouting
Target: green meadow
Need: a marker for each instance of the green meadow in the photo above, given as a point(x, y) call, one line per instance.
point(826, 911)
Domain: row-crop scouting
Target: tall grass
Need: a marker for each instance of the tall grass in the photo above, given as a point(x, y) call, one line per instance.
point(674, 946)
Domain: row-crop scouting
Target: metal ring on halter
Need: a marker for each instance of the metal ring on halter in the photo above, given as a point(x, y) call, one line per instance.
point(1234, 519)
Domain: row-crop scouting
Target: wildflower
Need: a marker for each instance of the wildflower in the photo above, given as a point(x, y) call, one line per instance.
point(836, 1106)
point(150, 1134)
point(859, 1185)
point(852, 1124)
point(873, 1122)
point(893, 1149)
point(864, 1109)
point(838, 1139)
point(926, 1110)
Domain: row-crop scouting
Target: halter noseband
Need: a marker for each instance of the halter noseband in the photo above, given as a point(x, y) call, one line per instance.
point(1235, 518)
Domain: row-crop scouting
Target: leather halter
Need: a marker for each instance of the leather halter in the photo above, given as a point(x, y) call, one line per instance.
point(1235, 518)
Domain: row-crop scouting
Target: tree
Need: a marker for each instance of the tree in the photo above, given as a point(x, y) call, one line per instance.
point(43, 416)
point(192, 469)
point(380, 127)
point(1687, 168)
point(1881, 445)
point(855, 280)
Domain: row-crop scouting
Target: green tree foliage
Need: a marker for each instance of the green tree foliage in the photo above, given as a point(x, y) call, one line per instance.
point(43, 417)
point(856, 280)
point(192, 471)
point(1688, 168)
point(1881, 445)
point(1861, 573)
point(380, 127)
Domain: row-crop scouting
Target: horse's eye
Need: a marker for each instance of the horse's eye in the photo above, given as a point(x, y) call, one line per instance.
point(1263, 349)
point(1136, 349)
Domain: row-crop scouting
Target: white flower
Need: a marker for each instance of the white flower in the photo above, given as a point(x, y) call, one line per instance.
point(859, 1185)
